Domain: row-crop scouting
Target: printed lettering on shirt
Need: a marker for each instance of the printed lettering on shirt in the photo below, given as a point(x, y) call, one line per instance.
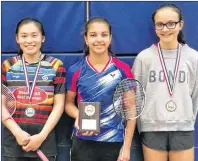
point(154, 76)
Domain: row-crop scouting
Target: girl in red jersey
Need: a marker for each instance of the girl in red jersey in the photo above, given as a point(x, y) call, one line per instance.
point(38, 84)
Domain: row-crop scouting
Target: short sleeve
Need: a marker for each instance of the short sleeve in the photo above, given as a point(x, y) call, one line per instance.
point(72, 77)
point(4, 69)
point(60, 79)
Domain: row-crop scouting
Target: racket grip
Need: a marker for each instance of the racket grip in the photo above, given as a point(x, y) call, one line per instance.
point(41, 155)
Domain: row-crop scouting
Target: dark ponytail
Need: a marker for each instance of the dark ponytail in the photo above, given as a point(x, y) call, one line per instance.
point(180, 36)
point(20, 52)
point(86, 50)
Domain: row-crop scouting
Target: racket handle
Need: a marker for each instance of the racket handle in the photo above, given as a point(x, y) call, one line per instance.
point(41, 155)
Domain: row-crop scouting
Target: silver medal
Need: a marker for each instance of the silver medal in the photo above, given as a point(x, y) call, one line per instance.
point(171, 106)
point(30, 111)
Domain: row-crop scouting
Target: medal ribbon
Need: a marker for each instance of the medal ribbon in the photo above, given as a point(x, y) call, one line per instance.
point(30, 88)
point(162, 62)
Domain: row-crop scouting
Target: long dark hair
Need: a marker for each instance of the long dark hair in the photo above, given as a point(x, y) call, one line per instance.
point(86, 27)
point(180, 36)
point(26, 21)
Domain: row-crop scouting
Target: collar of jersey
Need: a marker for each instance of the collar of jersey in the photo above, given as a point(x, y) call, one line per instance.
point(94, 69)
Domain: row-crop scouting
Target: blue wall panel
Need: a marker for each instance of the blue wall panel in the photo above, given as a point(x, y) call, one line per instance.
point(132, 27)
point(63, 23)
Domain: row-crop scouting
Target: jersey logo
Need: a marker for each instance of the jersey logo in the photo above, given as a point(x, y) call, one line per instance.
point(112, 75)
point(46, 77)
point(109, 78)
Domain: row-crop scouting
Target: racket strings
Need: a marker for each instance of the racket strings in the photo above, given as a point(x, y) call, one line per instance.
point(129, 98)
point(9, 101)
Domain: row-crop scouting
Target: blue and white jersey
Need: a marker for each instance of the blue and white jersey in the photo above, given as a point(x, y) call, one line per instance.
point(93, 86)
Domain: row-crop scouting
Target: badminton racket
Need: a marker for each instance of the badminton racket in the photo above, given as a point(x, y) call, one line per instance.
point(129, 100)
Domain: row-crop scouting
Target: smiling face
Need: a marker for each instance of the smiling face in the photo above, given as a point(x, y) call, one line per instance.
point(30, 39)
point(98, 38)
point(170, 16)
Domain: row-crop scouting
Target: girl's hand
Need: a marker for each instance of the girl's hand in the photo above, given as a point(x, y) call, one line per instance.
point(76, 124)
point(22, 137)
point(124, 154)
point(34, 143)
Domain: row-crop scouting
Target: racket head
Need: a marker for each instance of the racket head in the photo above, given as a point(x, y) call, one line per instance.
point(129, 99)
point(8, 102)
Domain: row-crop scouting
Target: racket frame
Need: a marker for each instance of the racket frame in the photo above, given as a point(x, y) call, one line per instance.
point(144, 99)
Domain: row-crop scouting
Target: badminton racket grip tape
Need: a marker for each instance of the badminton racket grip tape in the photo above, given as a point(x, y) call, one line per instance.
point(41, 155)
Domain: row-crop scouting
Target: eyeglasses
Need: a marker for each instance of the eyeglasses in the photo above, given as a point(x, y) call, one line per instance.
point(169, 25)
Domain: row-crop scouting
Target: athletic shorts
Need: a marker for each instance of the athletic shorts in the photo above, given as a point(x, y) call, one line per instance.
point(168, 141)
point(88, 150)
